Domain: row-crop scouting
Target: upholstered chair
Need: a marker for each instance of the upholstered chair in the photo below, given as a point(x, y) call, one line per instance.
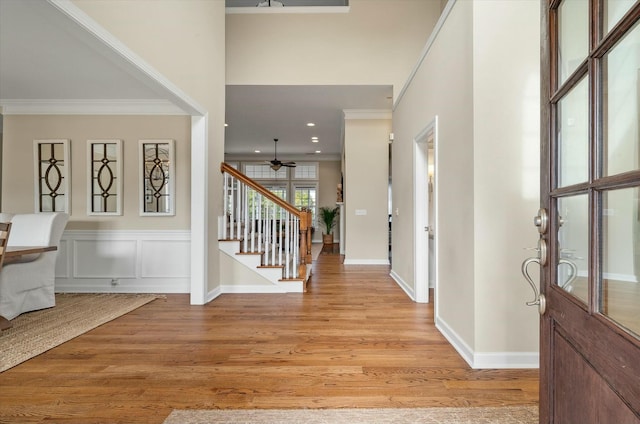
point(29, 284)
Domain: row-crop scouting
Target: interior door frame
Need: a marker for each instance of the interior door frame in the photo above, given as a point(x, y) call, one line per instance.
point(421, 204)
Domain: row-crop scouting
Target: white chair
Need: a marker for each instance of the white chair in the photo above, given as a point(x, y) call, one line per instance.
point(29, 285)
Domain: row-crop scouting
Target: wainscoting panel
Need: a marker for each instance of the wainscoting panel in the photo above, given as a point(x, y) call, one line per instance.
point(104, 258)
point(165, 258)
point(110, 261)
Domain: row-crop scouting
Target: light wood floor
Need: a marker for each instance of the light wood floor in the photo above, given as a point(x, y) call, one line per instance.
point(353, 340)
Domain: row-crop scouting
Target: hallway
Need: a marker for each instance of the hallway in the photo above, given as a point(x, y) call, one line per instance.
point(353, 340)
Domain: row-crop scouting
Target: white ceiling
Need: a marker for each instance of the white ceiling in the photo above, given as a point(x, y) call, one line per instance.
point(258, 114)
point(297, 3)
point(47, 56)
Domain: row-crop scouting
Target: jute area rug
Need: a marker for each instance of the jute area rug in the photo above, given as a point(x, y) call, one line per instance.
point(493, 415)
point(74, 314)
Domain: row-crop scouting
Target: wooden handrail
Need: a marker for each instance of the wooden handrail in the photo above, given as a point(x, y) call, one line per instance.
point(259, 188)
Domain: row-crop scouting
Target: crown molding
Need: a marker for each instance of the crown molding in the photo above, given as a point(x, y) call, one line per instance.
point(286, 9)
point(367, 113)
point(89, 107)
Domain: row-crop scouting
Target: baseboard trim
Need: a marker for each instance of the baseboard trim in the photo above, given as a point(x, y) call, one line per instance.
point(250, 289)
point(487, 360)
point(403, 285)
point(456, 341)
point(366, 262)
point(506, 360)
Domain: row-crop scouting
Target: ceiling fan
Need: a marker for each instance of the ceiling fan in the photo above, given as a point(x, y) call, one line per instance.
point(275, 164)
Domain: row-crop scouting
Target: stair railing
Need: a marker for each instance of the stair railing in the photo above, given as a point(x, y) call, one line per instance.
point(266, 224)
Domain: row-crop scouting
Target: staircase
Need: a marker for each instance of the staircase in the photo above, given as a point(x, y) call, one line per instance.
point(264, 233)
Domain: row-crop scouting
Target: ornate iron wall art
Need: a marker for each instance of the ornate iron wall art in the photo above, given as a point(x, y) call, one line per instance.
point(104, 166)
point(157, 178)
point(52, 176)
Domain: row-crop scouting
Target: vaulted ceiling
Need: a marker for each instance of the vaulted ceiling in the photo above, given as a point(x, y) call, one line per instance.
point(47, 58)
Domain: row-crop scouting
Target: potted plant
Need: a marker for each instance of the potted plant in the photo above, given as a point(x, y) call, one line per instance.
point(328, 217)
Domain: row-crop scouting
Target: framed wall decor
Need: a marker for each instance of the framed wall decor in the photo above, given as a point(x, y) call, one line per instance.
point(157, 178)
point(52, 176)
point(104, 179)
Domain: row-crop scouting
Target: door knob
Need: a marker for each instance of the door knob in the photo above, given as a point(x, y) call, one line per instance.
point(541, 220)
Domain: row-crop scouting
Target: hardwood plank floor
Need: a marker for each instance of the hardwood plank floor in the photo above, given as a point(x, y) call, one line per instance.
point(353, 340)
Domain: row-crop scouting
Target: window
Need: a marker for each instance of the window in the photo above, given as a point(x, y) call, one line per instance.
point(262, 171)
point(306, 196)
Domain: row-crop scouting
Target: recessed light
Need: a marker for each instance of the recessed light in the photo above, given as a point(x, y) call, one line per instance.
point(318, 151)
point(314, 139)
point(226, 125)
point(257, 151)
point(310, 124)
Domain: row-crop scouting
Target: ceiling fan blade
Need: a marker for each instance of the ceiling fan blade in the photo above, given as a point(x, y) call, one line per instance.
point(289, 164)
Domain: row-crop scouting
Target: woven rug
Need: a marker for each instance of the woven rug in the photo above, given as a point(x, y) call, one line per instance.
point(493, 415)
point(74, 314)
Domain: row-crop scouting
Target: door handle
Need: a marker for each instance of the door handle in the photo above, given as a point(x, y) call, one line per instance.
point(539, 298)
point(574, 273)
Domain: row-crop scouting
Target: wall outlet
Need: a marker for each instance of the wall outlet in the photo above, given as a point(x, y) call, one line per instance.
point(361, 211)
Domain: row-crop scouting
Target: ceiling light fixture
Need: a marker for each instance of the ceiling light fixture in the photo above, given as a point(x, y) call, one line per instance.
point(318, 151)
point(257, 151)
point(270, 3)
point(310, 124)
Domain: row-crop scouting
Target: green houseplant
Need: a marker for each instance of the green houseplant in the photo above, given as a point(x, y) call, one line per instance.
point(328, 217)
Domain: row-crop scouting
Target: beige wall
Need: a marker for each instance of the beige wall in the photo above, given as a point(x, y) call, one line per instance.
point(506, 170)
point(185, 41)
point(443, 88)
point(18, 173)
point(329, 178)
point(366, 182)
point(377, 42)
point(487, 181)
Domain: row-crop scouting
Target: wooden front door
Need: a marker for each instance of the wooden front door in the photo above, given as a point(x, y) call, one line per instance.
point(590, 331)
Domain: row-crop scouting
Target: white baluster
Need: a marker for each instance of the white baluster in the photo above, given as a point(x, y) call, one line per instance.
point(287, 243)
point(260, 223)
point(253, 220)
point(231, 206)
point(274, 234)
point(296, 245)
point(267, 232)
point(245, 206)
point(239, 210)
point(225, 194)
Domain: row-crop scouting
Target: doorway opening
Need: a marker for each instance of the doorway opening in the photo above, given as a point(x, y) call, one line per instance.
point(425, 198)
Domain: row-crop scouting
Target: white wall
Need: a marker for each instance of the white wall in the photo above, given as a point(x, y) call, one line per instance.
point(185, 41)
point(487, 183)
point(506, 46)
point(442, 87)
point(366, 148)
point(377, 42)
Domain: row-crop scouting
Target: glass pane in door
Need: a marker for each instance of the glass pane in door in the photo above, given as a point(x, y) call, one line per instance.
point(573, 33)
point(620, 288)
point(614, 10)
point(573, 239)
point(621, 105)
point(573, 136)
